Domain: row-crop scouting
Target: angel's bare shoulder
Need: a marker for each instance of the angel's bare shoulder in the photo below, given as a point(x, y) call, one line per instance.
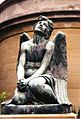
point(50, 45)
point(26, 45)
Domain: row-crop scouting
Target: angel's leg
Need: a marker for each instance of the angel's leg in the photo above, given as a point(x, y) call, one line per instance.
point(42, 91)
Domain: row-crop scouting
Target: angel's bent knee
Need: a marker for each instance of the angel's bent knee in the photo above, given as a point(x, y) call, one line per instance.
point(36, 84)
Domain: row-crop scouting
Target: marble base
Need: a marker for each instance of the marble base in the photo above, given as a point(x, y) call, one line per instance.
point(35, 109)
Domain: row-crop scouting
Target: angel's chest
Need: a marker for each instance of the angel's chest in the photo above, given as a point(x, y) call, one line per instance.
point(36, 54)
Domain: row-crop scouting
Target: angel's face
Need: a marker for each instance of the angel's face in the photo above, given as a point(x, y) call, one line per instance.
point(41, 26)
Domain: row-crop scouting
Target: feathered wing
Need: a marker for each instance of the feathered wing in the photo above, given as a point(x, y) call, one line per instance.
point(59, 68)
point(59, 58)
point(23, 38)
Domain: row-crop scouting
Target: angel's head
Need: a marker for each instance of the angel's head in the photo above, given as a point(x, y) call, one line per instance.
point(44, 25)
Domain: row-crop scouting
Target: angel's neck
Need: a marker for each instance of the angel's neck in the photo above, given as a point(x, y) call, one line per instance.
point(38, 38)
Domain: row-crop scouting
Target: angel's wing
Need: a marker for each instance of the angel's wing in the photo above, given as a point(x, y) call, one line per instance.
point(23, 38)
point(59, 58)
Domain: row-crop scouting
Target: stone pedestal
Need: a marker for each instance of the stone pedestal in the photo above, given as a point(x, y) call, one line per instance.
point(36, 109)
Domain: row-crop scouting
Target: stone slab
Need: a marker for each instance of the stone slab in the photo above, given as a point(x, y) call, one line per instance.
point(38, 116)
point(36, 109)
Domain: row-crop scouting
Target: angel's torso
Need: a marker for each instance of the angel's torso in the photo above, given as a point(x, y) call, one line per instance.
point(34, 55)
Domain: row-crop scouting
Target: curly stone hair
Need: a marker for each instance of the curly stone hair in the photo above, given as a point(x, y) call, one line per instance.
point(49, 28)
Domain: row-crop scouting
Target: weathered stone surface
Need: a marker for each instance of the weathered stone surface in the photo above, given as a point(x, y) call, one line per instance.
point(48, 85)
point(35, 109)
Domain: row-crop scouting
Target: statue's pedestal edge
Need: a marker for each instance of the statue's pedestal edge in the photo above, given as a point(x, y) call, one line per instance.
point(36, 109)
point(40, 116)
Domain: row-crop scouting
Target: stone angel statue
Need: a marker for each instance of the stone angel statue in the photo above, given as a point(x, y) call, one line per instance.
point(42, 67)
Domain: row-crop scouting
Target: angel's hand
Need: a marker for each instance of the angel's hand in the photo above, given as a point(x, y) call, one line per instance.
point(22, 84)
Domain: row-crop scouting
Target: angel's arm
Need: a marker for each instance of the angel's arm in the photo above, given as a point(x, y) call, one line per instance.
point(21, 63)
point(21, 56)
point(23, 38)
